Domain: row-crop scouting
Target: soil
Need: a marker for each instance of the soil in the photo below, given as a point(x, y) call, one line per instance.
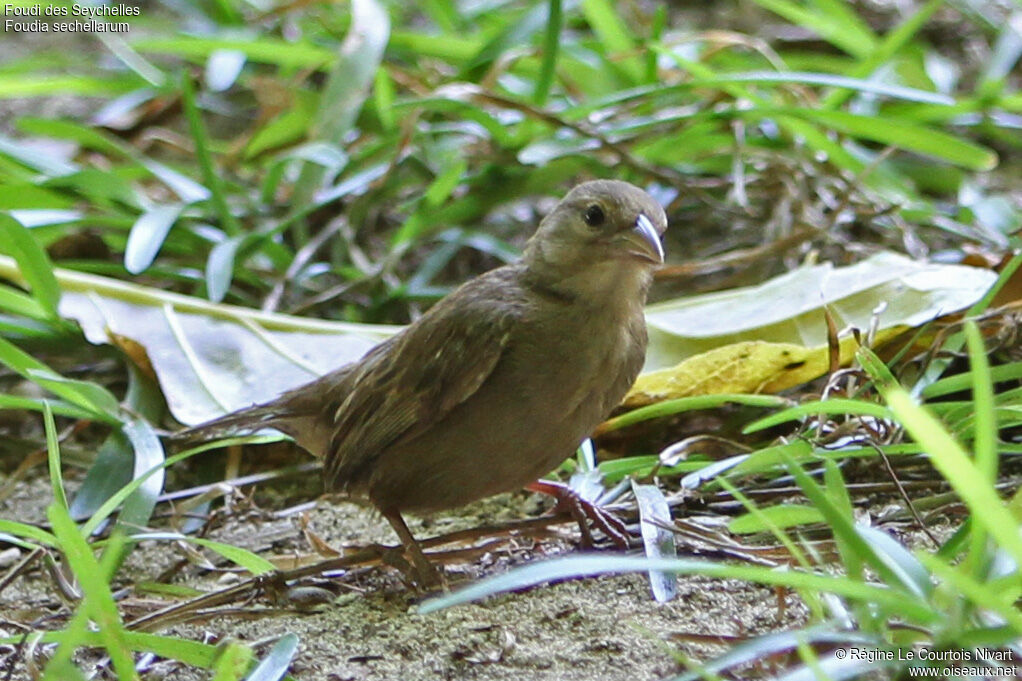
point(368, 627)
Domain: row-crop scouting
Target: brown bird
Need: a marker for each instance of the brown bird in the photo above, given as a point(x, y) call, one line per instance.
point(497, 383)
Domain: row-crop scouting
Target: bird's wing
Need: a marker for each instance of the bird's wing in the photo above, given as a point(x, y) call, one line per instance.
point(433, 366)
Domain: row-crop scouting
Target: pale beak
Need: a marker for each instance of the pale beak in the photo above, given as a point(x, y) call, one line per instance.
point(643, 241)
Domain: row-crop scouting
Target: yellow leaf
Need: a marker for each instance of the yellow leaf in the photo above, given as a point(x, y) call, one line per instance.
point(745, 367)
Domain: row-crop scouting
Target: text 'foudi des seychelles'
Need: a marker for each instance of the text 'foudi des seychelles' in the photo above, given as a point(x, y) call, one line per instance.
point(74, 10)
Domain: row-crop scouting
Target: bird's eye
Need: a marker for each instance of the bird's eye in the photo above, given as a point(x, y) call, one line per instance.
point(594, 216)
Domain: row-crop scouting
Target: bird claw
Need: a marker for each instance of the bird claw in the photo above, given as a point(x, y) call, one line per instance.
point(423, 573)
point(419, 577)
point(429, 578)
point(584, 511)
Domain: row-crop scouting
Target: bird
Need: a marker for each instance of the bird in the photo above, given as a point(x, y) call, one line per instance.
point(497, 383)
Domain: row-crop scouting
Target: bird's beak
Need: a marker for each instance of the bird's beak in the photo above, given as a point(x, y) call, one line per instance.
point(643, 241)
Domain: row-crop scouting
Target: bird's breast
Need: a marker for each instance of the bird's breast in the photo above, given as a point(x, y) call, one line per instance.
point(581, 363)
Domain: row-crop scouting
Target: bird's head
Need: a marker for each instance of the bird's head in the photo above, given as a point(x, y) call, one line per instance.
point(602, 235)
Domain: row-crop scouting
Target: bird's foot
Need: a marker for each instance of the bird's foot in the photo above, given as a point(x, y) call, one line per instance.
point(415, 575)
point(425, 575)
point(584, 511)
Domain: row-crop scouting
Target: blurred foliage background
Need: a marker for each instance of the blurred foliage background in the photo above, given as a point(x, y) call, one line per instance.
point(356, 160)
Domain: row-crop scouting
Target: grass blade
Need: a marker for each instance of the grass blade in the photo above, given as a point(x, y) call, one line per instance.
point(98, 601)
point(949, 458)
point(573, 567)
point(275, 665)
point(147, 236)
point(551, 47)
point(211, 175)
point(33, 262)
point(346, 89)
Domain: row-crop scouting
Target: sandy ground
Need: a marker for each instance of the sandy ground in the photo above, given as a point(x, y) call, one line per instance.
point(368, 628)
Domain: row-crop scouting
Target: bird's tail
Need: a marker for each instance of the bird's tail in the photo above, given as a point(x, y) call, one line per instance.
point(242, 422)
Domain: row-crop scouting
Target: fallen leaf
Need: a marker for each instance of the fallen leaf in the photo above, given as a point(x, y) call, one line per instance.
point(766, 338)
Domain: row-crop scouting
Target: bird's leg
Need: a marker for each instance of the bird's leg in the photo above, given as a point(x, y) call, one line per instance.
point(583, 510)
point(426, 573)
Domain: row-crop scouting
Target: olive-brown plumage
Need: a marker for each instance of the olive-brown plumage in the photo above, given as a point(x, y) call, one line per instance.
point(497, 383)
